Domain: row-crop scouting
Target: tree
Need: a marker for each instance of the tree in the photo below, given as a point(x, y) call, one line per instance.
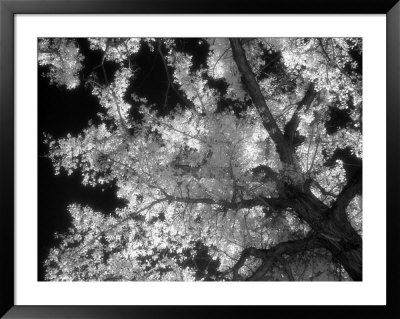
point(256, 174)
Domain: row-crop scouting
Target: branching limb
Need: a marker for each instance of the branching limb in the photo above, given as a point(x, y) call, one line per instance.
point(352, 188)
point(283, 147)
point(268, 172)
point(332, 61)
point(292, 125)
point(246, 253)
point(135, 215)
point(114, 96)
point(275, 203)
point(286, 268)
point(169, 78)
point(320, 188)
point(273, 254)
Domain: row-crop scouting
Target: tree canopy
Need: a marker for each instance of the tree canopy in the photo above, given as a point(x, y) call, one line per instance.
point(249, 169)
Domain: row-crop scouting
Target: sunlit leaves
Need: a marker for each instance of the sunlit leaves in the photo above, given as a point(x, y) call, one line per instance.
point(63, 60)
point(117, 50)
point(188, 174)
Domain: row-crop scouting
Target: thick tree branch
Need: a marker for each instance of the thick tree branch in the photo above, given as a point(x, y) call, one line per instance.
point(286, 268)
point(246, 253)
point(268, 173)
point(276, 203)
point(285, 152)
point(292, 125)
point(273, 254)
point(309, 183)
point(286, 248)
point(352, 188)
point(321, 189)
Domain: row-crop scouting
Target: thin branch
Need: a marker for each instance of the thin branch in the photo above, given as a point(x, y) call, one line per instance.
point(315, 154)
point(276, 203)
point(246, 253)
point(332, 62)
point(286, 268)
point(284, 149)
point(101, 65)
point(121, 221)
point(269, 173)
point(309, 146)
point(157, 121)
point(166, 96)
point(269, 63)
point(322, 190)
point(170, 81)
point(223, 53)
point(284, 248)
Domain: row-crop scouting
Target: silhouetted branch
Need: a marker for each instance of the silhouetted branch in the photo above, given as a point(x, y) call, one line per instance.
point(285, 152)
point(352, 188)
point(273, 254)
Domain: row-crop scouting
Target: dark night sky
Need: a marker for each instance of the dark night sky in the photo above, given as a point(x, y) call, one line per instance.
point(62, 112)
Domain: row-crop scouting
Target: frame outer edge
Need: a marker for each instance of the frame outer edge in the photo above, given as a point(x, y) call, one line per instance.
point(6, 157)
point(393, 155)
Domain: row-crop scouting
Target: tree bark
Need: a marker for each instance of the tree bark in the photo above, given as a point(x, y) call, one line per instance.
point(330, 224)
point(284, 149)
point(351, 260)
point(350, 252)
point(347, 253)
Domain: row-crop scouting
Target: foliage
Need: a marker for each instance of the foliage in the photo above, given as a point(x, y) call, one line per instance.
point(63, 60)
point(239, 181)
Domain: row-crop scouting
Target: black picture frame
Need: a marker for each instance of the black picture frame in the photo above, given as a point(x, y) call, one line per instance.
point(8, 10)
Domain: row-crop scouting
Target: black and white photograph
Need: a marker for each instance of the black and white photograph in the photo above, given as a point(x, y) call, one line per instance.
point(190, 159)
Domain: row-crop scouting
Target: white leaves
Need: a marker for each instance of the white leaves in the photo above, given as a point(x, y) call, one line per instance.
point(63, 60)
point(221, 65)
point(112, 97)
point(323, 61)
point(179, 172)
point(354, 213)
point(118, 49)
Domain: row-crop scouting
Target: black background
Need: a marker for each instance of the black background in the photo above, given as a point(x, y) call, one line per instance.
point(62, 111)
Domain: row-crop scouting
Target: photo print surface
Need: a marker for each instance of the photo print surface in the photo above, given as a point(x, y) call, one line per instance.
point(186, 159)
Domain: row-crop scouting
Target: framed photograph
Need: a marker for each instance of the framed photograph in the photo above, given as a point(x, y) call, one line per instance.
point(165, 158)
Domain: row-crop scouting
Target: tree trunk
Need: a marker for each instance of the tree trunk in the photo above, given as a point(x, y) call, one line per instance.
point(351, 260)
point(349, 256)
point(346, 247)
point(331, 224)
